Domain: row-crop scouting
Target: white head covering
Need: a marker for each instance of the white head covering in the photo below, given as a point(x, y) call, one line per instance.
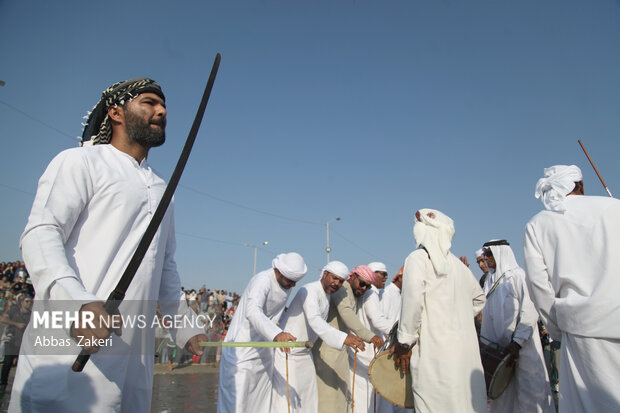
point(291, 265)
point(434, 231)
point(504, 257)
point(336, 268)
point(377, 266)
point(559, 180)
point(479, 253)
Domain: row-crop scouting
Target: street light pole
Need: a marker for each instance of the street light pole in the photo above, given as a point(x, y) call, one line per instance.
point(256, 247)
point(327, 248)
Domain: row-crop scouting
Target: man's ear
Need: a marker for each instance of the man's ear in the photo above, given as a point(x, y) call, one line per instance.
point(578, 190)
point(581, 190)
point(116, 114)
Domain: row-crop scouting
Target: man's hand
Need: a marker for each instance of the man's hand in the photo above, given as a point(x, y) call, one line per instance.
point(401, 357)
point(192, 344)
point(355, 342)
point(512, 349)
point(104, 326)
point(464, 260)
point(377, 342)
point(284, 337)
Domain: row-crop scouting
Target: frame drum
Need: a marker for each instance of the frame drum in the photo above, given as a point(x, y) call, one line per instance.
point(388, 380)
point(497, 374)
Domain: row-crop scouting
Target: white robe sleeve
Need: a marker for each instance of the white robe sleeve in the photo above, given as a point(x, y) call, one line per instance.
point(478, 297)
point(331, 336)
point(412, 294)
point(517, 306)
point(374, 312)
point(538, 282)
point(64, 190)
point(257, 297)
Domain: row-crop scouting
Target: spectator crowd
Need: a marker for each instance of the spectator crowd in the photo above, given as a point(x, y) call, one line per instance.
point(16, 294)
point(218, 307)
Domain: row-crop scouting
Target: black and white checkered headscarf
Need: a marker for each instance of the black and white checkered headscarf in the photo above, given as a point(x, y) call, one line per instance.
point(97, 128)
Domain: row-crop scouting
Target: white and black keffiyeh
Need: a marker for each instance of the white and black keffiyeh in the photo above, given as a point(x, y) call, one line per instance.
point(97, 129)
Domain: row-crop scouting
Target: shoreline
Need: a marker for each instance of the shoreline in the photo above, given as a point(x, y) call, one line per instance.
point(189, 368)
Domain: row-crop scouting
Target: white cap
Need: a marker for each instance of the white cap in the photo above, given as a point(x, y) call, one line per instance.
point(291, 265)
point(337, 268)
point(378, 266)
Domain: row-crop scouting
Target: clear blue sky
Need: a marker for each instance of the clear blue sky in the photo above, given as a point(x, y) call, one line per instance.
point(364, 110)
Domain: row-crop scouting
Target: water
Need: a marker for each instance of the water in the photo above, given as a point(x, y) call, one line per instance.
point(191, 388)
point(195, 392)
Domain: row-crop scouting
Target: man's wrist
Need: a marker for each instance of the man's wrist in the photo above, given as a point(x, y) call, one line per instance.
point(404, 346)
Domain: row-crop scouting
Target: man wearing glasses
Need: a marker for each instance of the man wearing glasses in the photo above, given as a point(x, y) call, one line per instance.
point(17, 318)
point(332, 365)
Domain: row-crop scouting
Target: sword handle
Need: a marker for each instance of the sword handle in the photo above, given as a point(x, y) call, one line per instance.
point(111, 307)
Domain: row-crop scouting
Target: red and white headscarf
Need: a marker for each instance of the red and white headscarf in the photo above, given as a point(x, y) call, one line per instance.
point(364, 272)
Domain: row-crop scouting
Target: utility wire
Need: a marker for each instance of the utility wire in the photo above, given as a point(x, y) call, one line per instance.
point(354, 244)
point(303, 221)
point(17, 189)
point(73, 138)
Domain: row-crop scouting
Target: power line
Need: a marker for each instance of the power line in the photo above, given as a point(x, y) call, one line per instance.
point(208, 239)
point(354, 244)
point(17, 189)
point(73, 138)
point(303, 221)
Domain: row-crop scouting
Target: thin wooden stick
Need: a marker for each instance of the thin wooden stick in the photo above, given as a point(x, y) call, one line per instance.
point(353, 386)
point(375, 390)
point(594, 166)
point(288, 397)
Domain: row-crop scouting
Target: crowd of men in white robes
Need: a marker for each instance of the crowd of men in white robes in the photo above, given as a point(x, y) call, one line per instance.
point(439, 306)
point(93, 204)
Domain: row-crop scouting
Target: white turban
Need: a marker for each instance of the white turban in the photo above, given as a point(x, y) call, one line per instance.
point(559, 180)
point(378, 266)
point(336, 268)
point(434, 231)
point(291, 265)
point(479, 253)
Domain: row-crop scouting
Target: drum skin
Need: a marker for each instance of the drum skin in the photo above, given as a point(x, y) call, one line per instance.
point(497, 374)
point(389, 381)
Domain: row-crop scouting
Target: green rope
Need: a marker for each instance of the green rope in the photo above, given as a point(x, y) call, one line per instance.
point(257, 344)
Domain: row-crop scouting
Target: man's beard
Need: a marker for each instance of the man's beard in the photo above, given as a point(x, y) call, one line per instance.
point(142, 133)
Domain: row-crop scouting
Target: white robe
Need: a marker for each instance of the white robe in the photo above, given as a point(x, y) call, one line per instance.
point(390, 303)
point(438, 316)
point(245, 372)
point(510, 315)
point(91, 209)
point(371, 315)
point(572, 263)
point(306, 320)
